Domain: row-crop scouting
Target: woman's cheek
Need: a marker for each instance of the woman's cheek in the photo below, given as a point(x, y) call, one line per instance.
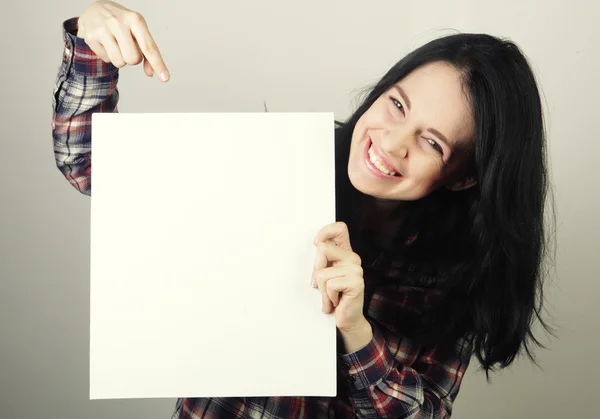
point(427, 171)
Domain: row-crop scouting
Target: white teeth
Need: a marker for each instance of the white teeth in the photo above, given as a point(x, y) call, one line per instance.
point(378, 164)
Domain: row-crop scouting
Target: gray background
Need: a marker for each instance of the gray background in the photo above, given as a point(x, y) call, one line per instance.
point(300, 56)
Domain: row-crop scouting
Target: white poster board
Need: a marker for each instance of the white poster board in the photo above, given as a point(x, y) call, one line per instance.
point(201, 255)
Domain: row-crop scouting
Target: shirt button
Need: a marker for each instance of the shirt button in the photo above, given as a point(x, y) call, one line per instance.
point(346, 365)
point(352, 378)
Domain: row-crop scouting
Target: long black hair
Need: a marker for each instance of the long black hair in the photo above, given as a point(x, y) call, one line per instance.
point(485, 246)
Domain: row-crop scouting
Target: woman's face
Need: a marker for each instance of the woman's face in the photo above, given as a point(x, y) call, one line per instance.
point(415, 138)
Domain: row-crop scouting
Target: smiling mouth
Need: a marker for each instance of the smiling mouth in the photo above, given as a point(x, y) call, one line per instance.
point(378, 163)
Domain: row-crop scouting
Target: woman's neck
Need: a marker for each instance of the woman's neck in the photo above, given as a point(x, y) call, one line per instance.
point(384, 216)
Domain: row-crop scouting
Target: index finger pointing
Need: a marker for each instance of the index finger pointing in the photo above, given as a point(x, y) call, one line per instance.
point(150, 50)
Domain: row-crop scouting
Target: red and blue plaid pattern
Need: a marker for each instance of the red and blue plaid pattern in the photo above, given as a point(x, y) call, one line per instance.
point(84, 85)
point(389, 378)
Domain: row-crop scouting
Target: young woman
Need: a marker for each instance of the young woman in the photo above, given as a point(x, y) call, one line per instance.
point(441, 187)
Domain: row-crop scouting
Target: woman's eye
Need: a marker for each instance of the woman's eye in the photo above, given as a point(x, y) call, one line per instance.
point(397, 103)
point(435, 146)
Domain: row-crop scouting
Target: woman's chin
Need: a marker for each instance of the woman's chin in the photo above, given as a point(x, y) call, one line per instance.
point(376, 190)
point(370, 188)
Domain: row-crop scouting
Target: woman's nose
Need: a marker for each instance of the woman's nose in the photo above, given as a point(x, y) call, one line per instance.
point(400, 152)
point(396, 144)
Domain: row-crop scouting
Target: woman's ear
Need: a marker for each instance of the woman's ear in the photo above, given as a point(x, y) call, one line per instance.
point(462, 184)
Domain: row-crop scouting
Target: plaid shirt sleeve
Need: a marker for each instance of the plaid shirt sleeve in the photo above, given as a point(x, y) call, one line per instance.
point(382, 387)
point(84, 85)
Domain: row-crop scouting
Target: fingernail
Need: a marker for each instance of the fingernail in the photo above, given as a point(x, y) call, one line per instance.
point(164, 76)
point(313, 283)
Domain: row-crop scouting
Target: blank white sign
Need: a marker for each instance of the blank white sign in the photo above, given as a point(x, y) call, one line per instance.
point(201, 255)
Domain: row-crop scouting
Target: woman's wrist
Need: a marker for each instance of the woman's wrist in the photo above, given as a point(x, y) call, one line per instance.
point(357, 337)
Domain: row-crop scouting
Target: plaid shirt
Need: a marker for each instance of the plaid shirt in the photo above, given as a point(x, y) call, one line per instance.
point(389, 378)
